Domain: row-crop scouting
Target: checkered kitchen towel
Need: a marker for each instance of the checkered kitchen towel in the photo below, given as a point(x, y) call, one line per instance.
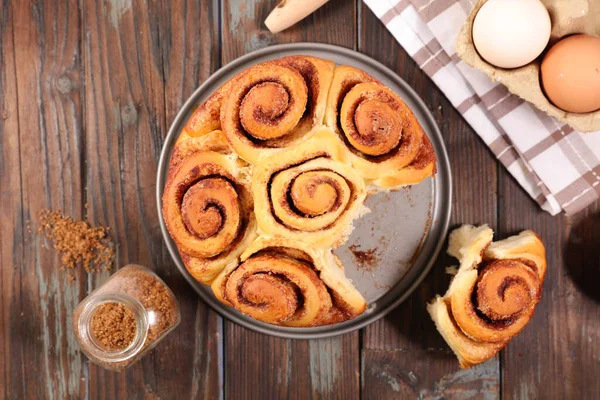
point(556, 165)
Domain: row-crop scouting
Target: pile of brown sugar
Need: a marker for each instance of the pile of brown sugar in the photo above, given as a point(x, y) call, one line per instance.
point(77, 241)
point(152, 294)
point(113, 325)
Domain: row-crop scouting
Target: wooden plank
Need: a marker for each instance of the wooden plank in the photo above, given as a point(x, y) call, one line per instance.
point(562, 341)
point(47, 62)
point(141, 61)
point(259, 366)
point(408, 328)
point(262, 367)
point(391, 374)
point(244, 29)
point(11, 232)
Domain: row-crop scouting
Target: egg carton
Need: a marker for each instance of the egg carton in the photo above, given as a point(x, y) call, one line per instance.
point(568, 17)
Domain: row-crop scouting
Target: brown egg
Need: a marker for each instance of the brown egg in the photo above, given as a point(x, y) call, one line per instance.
point(571, 74)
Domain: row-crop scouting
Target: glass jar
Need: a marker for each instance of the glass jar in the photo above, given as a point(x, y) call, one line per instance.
point(123, 319)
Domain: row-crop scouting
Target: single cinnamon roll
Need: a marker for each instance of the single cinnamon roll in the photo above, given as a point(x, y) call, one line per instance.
point(275, 105)
point(308, 193)
point(268, 106)
point(208, 211)
point(388, 145)
point(285, 282)
point(493, 295)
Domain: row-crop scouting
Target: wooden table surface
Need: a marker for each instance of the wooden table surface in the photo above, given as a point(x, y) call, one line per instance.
point(87, 92)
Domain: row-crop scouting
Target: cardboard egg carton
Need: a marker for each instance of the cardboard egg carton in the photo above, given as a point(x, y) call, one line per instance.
point(568, 17)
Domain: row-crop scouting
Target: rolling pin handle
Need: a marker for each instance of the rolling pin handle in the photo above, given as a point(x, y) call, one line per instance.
point(288, 12)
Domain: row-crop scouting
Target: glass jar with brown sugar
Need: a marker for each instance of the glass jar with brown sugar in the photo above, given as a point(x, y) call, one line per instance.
point(126, 317)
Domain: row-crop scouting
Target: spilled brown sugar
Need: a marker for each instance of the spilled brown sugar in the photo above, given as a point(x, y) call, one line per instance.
point(77, 241)
point(113, 325)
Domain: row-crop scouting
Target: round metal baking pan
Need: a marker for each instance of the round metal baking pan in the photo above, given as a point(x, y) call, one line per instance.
point(391, 249)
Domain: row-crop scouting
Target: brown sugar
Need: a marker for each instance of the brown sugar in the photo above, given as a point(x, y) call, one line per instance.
point(152, 294)
point(132, 312)
point(77, 241)
point(113, 325)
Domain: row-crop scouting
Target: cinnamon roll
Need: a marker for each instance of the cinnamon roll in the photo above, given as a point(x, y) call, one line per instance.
point(308, 193)
point(286, 282)
point(208, 211)
point(275, 105)
point(494, 293)
point(386, 142)
point(266, 107)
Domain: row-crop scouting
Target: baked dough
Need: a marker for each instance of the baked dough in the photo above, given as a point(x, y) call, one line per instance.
point(494, 293)
point(208, 207)
point(308, 193)
point(286, 282)
point(386, 143)
point(275, 105)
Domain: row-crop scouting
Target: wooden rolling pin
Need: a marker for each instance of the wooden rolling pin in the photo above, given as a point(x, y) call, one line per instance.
point(288, 12)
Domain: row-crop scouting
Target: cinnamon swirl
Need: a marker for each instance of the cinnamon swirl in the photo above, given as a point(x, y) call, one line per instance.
point(286, 282)
point(493, 295)
point(208, 211)
point(275, 105)
point(386, 142)
point(308, 193)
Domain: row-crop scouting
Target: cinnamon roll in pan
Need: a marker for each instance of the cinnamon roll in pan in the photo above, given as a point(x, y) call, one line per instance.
point(308, 192)
point(268, 176)
point(386, 143)
point(270, 106)
point(287, 282)
point(207, 208)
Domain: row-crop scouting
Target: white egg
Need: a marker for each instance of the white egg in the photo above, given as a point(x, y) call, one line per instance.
point(511, 33)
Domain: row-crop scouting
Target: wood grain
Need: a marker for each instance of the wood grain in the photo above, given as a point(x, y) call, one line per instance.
point(557, 356)
point(12, 232)
point(88, 90)
point(47, 63)
point(258, 366)
point(262, 367)
point(136, 58)
point(389, 374)
point(244, 30)
point(408, 332)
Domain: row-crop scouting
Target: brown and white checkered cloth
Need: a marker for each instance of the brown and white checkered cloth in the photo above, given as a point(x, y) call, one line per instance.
point(556, 165)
